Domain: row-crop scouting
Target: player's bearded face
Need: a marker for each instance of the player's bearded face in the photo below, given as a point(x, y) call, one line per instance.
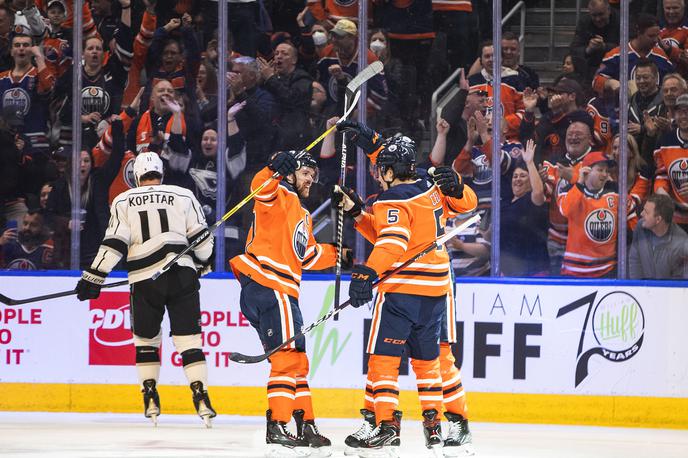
point(305, 176)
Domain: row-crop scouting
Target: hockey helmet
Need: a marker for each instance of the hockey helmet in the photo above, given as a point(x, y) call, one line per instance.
point(306, 160)
point(399, 154)
point(147, 163)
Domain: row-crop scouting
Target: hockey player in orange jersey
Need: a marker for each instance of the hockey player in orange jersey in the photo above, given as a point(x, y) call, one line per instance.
point(591, 207)
point(409, 214)
point(279, 245)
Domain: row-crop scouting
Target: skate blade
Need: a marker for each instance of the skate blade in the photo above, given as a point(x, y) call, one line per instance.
point(280, 451)
point(463, 450)
point(383, 452)
point(154, 418)
point(435, 451)
point(207, 420)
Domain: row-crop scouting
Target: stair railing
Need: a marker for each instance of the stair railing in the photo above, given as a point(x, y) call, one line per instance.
point(447, 90)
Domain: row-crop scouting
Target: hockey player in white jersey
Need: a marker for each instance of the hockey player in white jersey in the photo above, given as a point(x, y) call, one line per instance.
point(149, 225)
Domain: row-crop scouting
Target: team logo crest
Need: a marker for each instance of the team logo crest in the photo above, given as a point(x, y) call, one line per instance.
point(128, 173)
point(300, 239)
point(345, 2)
point(599, 225)
point(678, 172)
point(17, 100)
point(482, 172)
point(94, 99)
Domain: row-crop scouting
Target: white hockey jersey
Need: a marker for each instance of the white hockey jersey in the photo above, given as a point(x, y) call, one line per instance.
point(151, 225)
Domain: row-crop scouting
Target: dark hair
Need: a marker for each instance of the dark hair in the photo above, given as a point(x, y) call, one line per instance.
point(644, 62)
point(645, 21)
point(150, 176)
point(509, 36)
point(520, 164)
point(664, 206)
point(484, 45)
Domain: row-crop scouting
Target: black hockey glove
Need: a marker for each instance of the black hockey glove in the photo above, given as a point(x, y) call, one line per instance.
point(448, 181)
point(338, 200)
point(283, 163)
point(364, 137)
point(89, 285)
point(361, 286)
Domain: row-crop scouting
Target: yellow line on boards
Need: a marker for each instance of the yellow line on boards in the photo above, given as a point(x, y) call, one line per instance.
point(646, 412)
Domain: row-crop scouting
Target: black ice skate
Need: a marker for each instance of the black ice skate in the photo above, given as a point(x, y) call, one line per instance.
point(384, 440)
point(308, 431)
point(282, 443)
point(202, 403)
point(432, 429)
point(353, 440)
point(459, 441)
point(151, 401)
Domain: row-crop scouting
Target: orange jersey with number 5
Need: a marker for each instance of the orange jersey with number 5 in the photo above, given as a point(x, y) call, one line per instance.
point(405, 220)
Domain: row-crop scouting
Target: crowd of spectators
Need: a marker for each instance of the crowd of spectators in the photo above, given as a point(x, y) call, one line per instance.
point(153, 65)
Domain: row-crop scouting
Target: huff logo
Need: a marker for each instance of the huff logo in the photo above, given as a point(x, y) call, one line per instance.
point(617, 324)
point(110, 340)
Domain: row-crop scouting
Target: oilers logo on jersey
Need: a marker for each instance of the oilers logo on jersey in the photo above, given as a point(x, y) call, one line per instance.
point(599, 225)
point(482, 172)
point(128, 173)
point(94, 99)
point(678, 172)
point(17, 100)
point(300, 239)
point(345, 2)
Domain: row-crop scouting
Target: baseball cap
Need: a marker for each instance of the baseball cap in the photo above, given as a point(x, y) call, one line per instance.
point(682, 100)
point(478, 91)
point(58, 2)
point(567, 86)
point(344, 27)
point(595, 157)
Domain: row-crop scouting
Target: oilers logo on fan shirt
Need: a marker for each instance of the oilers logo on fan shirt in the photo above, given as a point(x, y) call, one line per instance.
point(599, 225)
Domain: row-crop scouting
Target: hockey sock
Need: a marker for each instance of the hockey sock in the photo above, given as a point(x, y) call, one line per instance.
point(303, 398)
point(369, 402)
point(429, 383)
point(452, 388)
point(284, 366)
point(193, 358)
point(147, 363)
point(383, 372)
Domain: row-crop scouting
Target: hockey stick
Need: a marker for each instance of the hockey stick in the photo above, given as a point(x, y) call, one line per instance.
point(9, 301)
point(245, 359)
point(209, 231)
point(352, 88)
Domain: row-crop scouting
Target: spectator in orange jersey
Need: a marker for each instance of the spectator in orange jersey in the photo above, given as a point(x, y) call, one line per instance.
point(591, 206)
point(674, 32)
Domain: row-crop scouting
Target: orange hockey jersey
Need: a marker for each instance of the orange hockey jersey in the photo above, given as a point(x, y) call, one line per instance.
point(280, 243)
point(671, 159)
point(452, 5)
point(404, 220)
point(591, 244)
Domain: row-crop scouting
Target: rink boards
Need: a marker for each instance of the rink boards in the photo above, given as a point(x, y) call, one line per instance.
point(599, 353)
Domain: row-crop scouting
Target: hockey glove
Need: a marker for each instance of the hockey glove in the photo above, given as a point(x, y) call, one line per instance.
point(364, 137)
point(347, 198)
point(89, 285)
point(283, 163)
point(361, 286)
point(448, 181)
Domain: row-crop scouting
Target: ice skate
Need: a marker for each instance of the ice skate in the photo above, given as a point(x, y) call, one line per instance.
point(352, 440)
point(459, 441)
point(306, 430)
point(432, 429)
point(282, 443)
point(202, 403)
point(383, 441)
point(151, 401)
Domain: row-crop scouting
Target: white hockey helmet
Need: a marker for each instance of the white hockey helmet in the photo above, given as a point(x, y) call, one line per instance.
point(146, 163)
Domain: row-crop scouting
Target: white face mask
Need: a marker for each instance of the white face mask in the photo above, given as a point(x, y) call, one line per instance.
point(319, 38)
point(377, 46)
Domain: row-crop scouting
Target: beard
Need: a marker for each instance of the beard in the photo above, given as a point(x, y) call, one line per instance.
point(27, 238)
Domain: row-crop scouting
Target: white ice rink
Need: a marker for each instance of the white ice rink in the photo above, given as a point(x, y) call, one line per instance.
point(52, 435)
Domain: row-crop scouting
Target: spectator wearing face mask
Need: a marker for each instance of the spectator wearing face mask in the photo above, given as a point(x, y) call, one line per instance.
point(314, 39)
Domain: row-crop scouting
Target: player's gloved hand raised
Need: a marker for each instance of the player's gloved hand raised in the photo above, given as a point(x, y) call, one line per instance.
point(447, 180)
point(364, 137)
point(89, 285)
point(361, 286)
point(283, 163)
point(343, 197)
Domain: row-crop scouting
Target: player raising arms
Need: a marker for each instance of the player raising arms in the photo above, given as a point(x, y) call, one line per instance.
point(279, 245)
point(149, 225)
point(408, 215)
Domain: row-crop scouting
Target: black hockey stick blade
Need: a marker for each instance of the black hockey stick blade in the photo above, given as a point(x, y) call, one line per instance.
point(247, 359)
point(9, 301)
